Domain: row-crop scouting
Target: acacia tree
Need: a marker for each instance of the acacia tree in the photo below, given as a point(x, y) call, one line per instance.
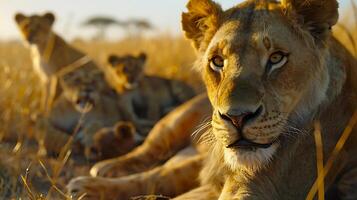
point(102, 23)
point(133, 27)
point(136, 27)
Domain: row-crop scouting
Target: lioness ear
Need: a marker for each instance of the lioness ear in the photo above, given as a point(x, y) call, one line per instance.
point(201, 21)
point(317, 16)
point(124, 130)
point(113, 60)
point(19, 18)
point(50, 17)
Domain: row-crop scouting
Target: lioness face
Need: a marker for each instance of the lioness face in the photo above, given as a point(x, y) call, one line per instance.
point(35, 28)
point(129, 69)
point(83, 89)
point(263, 74)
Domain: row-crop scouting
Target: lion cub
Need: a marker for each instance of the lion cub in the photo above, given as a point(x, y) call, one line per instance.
point(147, 98)
point(114, 141)
point(50, 53)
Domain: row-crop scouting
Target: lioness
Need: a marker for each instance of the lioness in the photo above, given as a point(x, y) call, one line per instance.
point(272, 69)
point(147, 98)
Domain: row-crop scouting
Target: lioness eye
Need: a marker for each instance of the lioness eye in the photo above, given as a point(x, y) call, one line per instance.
point(276, 60)
point(217, 63)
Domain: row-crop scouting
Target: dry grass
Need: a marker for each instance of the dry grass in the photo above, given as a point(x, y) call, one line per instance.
point(323, 170)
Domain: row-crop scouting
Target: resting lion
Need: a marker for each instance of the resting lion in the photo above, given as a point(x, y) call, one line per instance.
point(170, 136)
point(272, 69)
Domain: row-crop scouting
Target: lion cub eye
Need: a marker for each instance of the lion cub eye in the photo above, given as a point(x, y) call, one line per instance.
point(276, 60)
point(217, 63)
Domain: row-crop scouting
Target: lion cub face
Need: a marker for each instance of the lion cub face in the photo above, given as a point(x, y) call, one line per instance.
point(129, 69)
point(112, 142)
point(84, 88)
point(35, 28)
point(263, 69)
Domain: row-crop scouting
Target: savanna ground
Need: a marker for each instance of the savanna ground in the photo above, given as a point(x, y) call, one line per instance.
point(24, 174)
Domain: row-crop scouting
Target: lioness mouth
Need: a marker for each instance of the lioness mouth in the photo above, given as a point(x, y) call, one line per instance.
point(249, 145)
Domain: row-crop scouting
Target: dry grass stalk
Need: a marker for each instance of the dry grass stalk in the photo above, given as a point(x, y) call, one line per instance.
point(319, 162)
point(27, 186)
point(340, 143)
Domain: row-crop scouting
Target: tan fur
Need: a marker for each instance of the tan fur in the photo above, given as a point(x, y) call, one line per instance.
point(176, 176)
point(147, 98)
point(81, 84)
point(171, 134)
point(113, 142)
point(316, 84)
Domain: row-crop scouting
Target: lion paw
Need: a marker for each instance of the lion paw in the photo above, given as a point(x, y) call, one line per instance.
point(88, 188)
point(93, 188)
point(107, 169)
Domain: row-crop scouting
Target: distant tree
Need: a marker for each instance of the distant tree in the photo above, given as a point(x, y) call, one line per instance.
point(136, 27)
point(102, 23)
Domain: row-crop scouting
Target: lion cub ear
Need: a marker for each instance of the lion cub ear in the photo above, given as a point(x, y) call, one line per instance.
point(114, 60)
point(19, 18)
point(316, 16)
point(201, 21)
point(124, 130)
point(50, 17)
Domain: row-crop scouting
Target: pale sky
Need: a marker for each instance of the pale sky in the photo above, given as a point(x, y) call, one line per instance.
point(164, 14)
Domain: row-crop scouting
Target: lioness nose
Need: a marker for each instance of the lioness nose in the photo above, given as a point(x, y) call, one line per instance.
point(240, 120)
